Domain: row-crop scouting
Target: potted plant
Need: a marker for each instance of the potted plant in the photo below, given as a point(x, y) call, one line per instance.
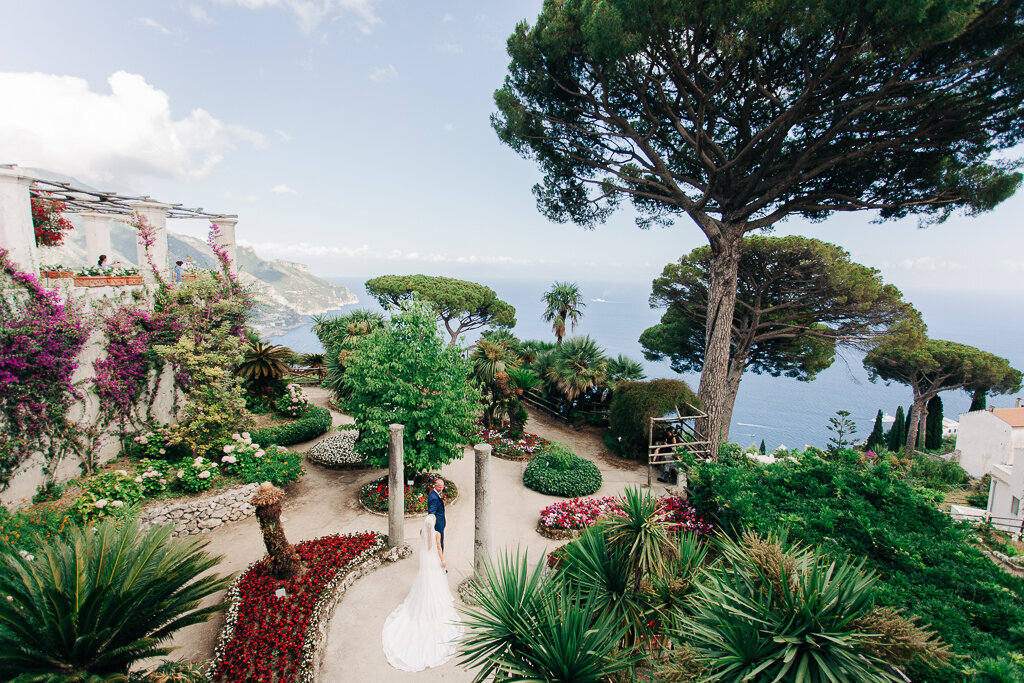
point(57, 271)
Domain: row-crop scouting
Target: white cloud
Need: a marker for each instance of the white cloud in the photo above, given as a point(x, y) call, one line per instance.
point(922, 263)
point(364, 252)
point(448, 127)
point(307, 249)
point(199, 14)
point(283, 135)
point(311, 13)
point(153, 23)
point(450, 48)
point(58, 123)
point(383, 73)
point(448, 17)
point(283, 189)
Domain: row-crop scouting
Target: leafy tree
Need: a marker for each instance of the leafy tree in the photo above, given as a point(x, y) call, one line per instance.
point(876, 440)
point(564, 302)
point(340, 336)
point(740, 115)
point(933, 427)
point(1006, 384)
point(93, 603)
point(797, 299)
point(896, 437)
point(843, 427)
point(404, 373)
point(460, 305)
point(930, 366)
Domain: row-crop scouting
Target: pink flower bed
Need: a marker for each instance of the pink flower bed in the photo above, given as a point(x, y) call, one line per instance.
point(580, 513)
point(505, 446)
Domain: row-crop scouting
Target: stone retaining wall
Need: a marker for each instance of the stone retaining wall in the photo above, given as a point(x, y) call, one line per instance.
point(201, 514)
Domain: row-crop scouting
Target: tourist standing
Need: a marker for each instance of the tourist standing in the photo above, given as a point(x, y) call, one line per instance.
point(177, 272)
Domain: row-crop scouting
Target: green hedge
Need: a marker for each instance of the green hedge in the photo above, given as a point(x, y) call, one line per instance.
point(635, 403)
point(315, 422)
point(925, 562)
point(556, 471)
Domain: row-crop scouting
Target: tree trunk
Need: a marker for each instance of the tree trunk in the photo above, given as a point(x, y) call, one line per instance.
point(714, 378)
point(915, 422)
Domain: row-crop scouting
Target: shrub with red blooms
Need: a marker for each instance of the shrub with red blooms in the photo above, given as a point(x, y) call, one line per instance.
point(375, 494)
point(48, 222)
point(580, 513)
point(269, 636)
point(505, 445)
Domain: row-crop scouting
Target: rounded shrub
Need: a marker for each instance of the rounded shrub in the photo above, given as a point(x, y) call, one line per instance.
point(313, 423)
point(633, 406)
point(556, 471)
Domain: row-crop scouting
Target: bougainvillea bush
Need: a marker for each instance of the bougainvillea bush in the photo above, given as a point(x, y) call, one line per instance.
point(580, 513)
point(508, 446)
point(375, 494)
point(48, 221)
point(267, 638)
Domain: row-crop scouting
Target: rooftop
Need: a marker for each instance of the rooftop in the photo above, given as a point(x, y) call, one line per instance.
point(1012, 416)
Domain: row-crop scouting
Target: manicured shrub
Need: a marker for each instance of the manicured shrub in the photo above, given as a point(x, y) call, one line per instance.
point(635, 403)
point(89, 606)
point(338, 449)
point(925, 561)
point(311, 425)
point(556, 471)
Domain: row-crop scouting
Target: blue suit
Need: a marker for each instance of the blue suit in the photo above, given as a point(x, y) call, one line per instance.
point(435, 506)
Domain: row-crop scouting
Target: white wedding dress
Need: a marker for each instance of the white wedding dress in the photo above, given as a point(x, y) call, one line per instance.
point(424, 630)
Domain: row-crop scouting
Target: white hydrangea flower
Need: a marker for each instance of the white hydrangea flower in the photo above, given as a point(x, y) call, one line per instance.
point(101, 503)
point(205, 474)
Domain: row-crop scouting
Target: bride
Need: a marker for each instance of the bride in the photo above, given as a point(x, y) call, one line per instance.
point(424, 630)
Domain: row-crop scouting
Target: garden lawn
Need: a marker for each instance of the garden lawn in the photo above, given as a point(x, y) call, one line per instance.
point(925, 561)
point(270, 636)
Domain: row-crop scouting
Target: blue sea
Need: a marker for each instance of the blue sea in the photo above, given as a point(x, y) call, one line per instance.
point(782, 411)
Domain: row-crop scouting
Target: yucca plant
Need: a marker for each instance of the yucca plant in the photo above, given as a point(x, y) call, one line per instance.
point(771, 611)
point(90, 605)
point(529, 627)
point(642, 532)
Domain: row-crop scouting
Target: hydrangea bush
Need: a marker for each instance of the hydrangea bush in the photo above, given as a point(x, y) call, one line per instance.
point(244, 458)
point(105, 494)
point(338, 449)
point(153, 475)
point(196, 474)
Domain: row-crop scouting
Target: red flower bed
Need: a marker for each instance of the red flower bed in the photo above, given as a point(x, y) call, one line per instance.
point(505, 445)
point(580, 513)
point(269, 633)
point(375, 494)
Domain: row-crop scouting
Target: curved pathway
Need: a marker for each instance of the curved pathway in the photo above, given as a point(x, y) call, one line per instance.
point(324, 502)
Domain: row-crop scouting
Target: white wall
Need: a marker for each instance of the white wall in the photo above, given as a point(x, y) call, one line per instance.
point(85, 411)
point(1007, 484)
point(984, 441)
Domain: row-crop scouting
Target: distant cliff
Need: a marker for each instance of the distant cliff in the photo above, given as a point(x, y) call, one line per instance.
point(287, 289)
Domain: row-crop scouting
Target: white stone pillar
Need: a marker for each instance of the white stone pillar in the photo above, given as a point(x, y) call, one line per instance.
point(97, 235)
point(396, 485)
point(17, 235)
point(226, 238)
point(155, 214)
point(482, 529)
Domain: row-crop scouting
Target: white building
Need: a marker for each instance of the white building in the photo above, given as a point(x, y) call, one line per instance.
point(1004, 495)
point(987, 438)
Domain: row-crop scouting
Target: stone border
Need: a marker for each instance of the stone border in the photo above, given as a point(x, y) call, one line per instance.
point(316, 632)
point(558, 534)
point(199, 515)
point(513, 458)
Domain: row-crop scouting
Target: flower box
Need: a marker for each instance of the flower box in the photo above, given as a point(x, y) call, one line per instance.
point(91, 280)
point(133, 279)
point(57, 274)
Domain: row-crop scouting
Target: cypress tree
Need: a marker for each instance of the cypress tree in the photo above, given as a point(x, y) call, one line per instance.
point(978, 400)
point(933, 426)
point(897, 435)
point(906, 422)
point(876, 440)
point(764, 451)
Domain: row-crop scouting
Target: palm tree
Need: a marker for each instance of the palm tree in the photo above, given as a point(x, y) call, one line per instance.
point(341, 336)
point(265, 364)
point(624, 369)
point(93, 603)
point(564, 302)
point(576, 366)
point(315, 362)
point(491, 363)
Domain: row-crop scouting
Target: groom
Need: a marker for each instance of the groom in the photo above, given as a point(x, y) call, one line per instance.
point(435, 506)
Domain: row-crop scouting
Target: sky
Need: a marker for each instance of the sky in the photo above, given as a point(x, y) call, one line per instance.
point(354, 136)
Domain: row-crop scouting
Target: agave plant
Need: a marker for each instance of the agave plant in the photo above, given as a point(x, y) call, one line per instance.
point(563, 307)
point(529, 627)
point(95, 602)
point(577, 366)
point(775, 611)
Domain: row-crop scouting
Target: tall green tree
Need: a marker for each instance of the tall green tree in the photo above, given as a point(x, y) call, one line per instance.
point(460, 305)
point(933, 428)
point(876, 440)
point(340, 336)
point(929, 367)
point(405, 373)
point(742, 114)
point(563, 304)
point(896, 437)
point(797, 299)
point(1007, 383)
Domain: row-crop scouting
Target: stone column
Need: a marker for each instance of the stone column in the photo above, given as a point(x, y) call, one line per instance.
point(482, 536)
point(226, 238)
point(17, 235)
point(396, 486)
point(155, 214)
point(97, 235)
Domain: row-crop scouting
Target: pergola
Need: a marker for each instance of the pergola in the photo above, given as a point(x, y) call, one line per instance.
point(97, 209)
